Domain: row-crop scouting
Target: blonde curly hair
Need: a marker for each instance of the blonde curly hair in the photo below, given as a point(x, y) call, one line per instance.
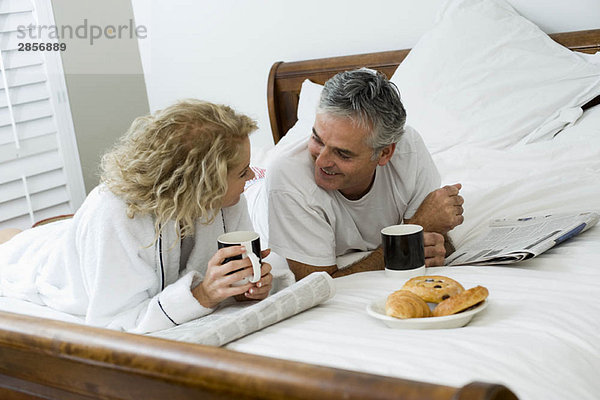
point(174, 164)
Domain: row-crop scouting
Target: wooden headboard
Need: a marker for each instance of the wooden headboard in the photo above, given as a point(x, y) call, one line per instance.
point(285, 78)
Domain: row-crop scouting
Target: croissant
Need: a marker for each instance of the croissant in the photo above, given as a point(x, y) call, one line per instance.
point(406, 304)
point(461, 301)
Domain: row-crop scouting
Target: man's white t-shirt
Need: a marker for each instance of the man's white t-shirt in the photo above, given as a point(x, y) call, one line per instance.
point(313, 226)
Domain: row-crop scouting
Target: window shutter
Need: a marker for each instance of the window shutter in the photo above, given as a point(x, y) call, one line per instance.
point(40, 173)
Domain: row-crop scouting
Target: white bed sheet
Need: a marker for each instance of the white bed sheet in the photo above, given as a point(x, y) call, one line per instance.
point(538, 335)
point(18, 306)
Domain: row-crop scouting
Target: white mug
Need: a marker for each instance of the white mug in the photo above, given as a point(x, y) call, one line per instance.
point(251, 241)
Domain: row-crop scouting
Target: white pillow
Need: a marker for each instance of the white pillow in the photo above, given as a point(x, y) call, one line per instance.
point(310, 94)
point(486, 75)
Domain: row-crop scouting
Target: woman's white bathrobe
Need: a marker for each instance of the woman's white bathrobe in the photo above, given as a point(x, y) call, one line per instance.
point(108, 269)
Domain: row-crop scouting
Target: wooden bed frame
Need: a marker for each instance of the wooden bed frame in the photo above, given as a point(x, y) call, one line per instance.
point(46, 359)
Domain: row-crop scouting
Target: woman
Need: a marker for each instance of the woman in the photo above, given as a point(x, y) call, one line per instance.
point(141, 252)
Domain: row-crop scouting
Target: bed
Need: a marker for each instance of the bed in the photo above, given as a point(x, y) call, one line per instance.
point(536, 339)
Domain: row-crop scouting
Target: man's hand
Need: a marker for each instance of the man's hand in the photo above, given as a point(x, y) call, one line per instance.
point(441, 211)
point(435, 251)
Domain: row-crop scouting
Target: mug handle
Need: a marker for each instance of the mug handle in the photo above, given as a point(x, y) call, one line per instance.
point(254, 260)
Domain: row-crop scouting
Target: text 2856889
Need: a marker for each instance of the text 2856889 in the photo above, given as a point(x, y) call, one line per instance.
point(42, 46)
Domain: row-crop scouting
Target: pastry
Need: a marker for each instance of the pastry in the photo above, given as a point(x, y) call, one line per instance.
point(461, 301)
point(433, 288)
point(405, 304)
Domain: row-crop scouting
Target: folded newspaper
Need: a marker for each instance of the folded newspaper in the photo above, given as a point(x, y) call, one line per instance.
point(511, 240)
point(235, 320)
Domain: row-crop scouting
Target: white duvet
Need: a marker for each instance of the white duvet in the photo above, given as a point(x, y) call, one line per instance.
point(539, 333)
point(560, 175)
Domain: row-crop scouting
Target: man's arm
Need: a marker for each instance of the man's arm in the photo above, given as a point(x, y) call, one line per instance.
point(440, 212)
point(373, 262)
point(434, 255)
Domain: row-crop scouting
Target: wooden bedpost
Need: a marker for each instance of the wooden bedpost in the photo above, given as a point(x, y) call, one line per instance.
point(272, 102)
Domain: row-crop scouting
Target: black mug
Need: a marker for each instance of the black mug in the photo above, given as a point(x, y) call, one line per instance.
point(403, 250)
point(251, 241)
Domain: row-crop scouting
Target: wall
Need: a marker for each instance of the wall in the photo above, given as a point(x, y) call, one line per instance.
point(104, 77)
point(222, 51)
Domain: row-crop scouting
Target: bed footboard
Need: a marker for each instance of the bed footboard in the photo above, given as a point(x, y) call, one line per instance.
point(45, 359)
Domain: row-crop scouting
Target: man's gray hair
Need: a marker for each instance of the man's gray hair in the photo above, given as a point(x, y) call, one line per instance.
point(371, 100)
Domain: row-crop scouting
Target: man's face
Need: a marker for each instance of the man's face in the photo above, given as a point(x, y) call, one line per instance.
point(342, 157)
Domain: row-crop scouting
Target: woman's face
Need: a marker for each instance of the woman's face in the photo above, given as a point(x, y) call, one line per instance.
point(237, 177)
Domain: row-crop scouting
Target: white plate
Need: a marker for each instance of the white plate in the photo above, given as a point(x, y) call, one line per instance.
point(376, 309)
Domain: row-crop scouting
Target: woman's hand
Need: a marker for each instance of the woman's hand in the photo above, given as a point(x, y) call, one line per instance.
point(216, 285)
point(260, 290)
point(218, 280)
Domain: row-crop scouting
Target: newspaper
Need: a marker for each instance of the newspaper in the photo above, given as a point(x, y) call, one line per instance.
point(235, 320)
point(511, 240)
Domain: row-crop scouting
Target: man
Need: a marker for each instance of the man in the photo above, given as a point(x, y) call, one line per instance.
point(359, 172)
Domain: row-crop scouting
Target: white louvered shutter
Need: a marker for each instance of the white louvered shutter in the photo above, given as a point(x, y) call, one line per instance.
point(40, 173)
